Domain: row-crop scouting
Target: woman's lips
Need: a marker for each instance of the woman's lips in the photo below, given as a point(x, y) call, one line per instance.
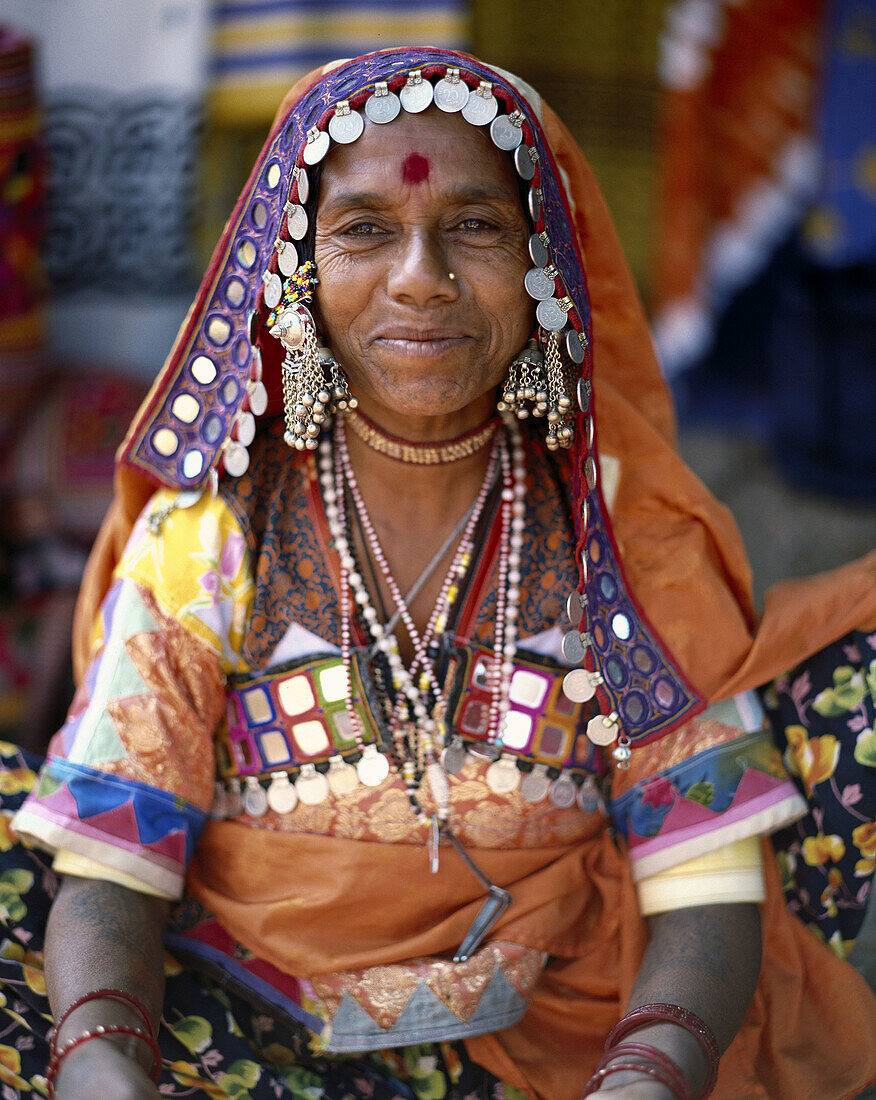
point(421, 342)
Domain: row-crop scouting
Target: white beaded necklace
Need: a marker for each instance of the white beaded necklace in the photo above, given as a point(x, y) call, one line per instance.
point(416, 736)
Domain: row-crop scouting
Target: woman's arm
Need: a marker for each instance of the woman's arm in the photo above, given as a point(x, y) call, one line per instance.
point(705, 959)
point(101, 935)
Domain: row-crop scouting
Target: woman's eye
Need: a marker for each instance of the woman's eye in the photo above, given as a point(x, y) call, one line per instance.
point(362, 229)
point(475, 225)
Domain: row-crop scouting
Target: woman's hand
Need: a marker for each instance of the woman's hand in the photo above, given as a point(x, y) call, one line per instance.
point(623, 1086)
point(99, 1067)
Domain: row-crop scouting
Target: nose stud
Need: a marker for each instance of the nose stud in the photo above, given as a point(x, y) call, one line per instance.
point(451, 276)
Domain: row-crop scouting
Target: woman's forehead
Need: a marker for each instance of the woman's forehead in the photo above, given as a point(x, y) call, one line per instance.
point(431, 148)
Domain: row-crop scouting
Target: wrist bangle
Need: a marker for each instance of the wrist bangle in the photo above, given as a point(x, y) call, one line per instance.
point(101, 1032)
point(654, 1056)
point(673, 1014)
point(649, 1069)
point(108, 994)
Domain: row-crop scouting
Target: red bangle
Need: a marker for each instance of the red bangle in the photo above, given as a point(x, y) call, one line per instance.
point(109, 994)
point(648, 1069)
point(673, 1014)
point(651, 1054)
point(101, 1032)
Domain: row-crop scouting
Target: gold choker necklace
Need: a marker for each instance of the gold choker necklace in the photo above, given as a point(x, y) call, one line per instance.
point(420, 454)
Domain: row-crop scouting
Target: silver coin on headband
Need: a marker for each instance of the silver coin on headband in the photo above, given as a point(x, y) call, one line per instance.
point(482, 105)
point(540, 282)
point(589, 798)
point(579, 685)
point(575, 603)
point(273, 289)
point(373, 768)
point(534, 201)
point(246, 428)
point(574, 346)
point(416, 95)
point(524, 162)
point(507, 131)
point(303, 182)
point(454, 757)
point(258, 398)
point(236, 459)
point(584, 390)
point(590, 472)
point(342, 778)
point(312, 786)
point(282, 796)
point(538, 250)
point(549, 315)
point(603, 729)
point(451, 94)
point(588, 432)
point(575, 646)
point(287, 257)
point(563, 792)
point(317, 146)
point(502, 775)
point(345, 125)
point(296, 220)
point(255, 801)
point(384, 105)
point(535, 784)
point(233, 801)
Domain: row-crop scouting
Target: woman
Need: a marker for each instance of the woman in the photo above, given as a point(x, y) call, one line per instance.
point(351, 655)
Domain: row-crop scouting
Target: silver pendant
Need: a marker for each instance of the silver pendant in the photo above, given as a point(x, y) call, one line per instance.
point(345, 125)
point(575, 603)
point(603, 729)
point(538, 250)
point(454, 757)
point(342, 778)
point(317, 145)
point(575, 646)
point(590, 472)
point(575, 345)
point(503, 775)
point(588, 432)
point(273, 289)
point(484, 750)
point(482, 105)
point(233, 801)
point(451, 94)
point(563, 791)
point(584, 391)
point(246, 428)
point(524, 161)
point(589, 798)
point(303, 182)
point(534, 201)
point(536, 784)
point(539, 283)
point(311, 786)
point(416, 95)
point(549, 315)
point(258, 397)
point(579, 685)
point(373, 768)
point(384, 105)
point(507, 131)
point(236, 459)
point(255, 801)
point(296, 219)
point(282, 796)
point(287, 258)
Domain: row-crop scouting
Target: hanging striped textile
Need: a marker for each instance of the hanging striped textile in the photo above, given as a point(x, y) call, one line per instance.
point(261, 47)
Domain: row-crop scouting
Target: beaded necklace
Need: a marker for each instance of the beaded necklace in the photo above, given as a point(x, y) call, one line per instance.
point(416, 725)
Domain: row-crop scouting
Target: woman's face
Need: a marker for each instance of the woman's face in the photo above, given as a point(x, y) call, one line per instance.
point(399, 210)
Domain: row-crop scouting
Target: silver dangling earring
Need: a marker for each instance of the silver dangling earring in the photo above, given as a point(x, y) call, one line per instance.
point(341, 398)
point(305, 397)
point(561, 418)
point(525, 384)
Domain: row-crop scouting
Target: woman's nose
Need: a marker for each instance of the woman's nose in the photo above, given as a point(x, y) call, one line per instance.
point(421, 272)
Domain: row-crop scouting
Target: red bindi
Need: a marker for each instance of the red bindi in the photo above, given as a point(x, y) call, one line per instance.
point(415, 168)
